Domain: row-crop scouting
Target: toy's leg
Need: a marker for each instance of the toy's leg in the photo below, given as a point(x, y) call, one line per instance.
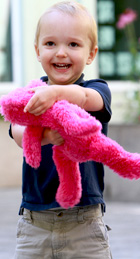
point(69, 190)
point(110, 153)
point(32, 145)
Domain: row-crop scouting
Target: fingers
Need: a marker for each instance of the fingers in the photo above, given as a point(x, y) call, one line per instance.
point(52, 137)
point(35, 110)
point(36, 105)
point(41, 101)
point(59, 141)
point(55, 138)
point(29, 106)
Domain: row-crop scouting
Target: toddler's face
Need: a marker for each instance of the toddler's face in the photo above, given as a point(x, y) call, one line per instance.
point(64, 47)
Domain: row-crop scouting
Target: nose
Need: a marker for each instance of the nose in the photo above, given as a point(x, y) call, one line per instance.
point(61, 52)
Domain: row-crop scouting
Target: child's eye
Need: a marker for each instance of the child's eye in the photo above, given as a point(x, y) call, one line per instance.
point(50, 43)
point(73, 44)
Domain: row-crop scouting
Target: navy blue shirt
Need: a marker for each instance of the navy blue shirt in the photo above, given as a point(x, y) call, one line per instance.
point(39, 186)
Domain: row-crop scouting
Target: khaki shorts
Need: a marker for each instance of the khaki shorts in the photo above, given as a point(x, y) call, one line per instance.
point(63, 234)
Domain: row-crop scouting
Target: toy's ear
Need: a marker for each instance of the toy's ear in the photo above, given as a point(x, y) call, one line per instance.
point(74, 120)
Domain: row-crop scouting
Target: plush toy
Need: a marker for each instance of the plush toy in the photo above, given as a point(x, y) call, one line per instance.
point(83, 141)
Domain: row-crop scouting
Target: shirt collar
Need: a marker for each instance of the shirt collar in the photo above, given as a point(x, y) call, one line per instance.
point(80, 80)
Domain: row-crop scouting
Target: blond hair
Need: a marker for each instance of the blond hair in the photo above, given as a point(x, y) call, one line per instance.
point(71, 8)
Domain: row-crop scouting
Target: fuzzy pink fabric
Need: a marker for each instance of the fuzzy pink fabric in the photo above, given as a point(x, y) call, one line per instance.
point(83, 142)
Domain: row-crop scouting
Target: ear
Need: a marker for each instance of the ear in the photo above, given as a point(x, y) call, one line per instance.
point(37, 52)
point(92, 55)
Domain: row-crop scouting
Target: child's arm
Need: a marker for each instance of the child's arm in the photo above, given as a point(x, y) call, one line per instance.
point(17, 133)
point(45, 97)
point(49, 136)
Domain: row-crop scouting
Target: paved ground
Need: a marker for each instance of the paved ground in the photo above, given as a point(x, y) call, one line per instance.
point(124, 219)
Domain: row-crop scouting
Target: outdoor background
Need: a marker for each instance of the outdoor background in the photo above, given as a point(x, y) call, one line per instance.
point(118, 62)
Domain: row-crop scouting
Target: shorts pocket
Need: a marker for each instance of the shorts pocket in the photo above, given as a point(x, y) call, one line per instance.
point(99, 232)
point(22, 227)
point(19, 228)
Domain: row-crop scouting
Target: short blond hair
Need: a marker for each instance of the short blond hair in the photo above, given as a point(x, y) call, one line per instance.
point(71, 8)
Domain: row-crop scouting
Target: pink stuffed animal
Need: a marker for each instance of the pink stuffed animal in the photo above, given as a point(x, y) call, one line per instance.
point(83, 141)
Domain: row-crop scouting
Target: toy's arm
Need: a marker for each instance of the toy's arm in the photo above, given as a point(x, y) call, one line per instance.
point(31, 143)
point(69, 190)
point(111, 154)
point(30, 139)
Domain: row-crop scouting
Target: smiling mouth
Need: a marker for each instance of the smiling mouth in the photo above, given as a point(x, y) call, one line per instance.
point(62, 66)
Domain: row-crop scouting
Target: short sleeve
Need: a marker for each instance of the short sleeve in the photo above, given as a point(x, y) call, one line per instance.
point(102, 88)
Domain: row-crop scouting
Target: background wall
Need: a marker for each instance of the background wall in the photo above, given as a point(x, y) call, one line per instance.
point(10, 159)
point(116, 187)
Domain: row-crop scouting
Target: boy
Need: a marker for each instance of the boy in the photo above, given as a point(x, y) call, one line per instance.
point(65, 42)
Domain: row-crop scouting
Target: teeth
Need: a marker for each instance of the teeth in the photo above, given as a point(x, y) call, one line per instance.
point(61, 65)
point(64, 66)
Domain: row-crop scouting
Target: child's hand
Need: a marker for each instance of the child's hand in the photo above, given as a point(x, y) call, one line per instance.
point(51, 137)
point(43, 98)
